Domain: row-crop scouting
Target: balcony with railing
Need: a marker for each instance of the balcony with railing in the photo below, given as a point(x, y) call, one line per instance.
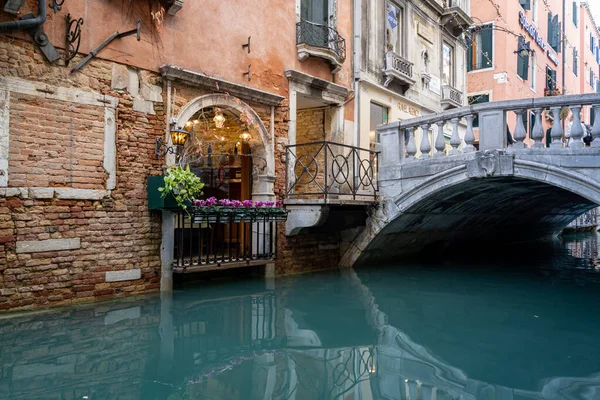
point(316, 40)
point(329, 186)
point(222, 240)
point(455, 16)
point(451, 97)
point(398, 68)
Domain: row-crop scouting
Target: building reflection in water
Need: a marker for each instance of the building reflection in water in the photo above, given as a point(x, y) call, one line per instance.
point(313, 337)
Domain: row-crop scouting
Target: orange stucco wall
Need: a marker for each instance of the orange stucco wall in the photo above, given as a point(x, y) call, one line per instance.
point(205, 36)
point(505, 61)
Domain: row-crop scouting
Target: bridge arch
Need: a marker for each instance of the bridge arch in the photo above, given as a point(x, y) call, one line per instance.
point(461, 206)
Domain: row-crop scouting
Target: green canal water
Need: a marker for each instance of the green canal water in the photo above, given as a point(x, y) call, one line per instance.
point(521, 324)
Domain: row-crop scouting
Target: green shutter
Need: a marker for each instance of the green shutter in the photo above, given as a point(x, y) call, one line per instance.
point(550, 30)
point(470, 51)
point(558, 35)
point(575, 16)
point(526, 4)
point(486, 47)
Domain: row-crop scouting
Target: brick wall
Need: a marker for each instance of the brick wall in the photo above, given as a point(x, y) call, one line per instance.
point(55, 143)
point(59, 144)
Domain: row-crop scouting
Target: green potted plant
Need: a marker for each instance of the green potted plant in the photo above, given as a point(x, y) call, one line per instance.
point(181, 184)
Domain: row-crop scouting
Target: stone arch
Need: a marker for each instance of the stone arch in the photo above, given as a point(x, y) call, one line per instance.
point(262, 150)
point(396, 210)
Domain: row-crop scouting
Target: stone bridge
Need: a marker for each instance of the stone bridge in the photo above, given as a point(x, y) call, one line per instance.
point(444, 199)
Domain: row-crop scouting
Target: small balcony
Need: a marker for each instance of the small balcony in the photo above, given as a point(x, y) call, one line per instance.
point(398, 68)
point(316, 40)
point(451, 97)
point(455, 16)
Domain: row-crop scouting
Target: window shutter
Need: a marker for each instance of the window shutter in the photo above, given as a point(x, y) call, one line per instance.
point(526, 4)
point(486, 46)
point(558, 35)
point(470, 52)
point(575, 17)
point(550, 30)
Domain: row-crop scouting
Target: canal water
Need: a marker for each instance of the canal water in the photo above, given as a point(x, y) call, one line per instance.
point(518, 322)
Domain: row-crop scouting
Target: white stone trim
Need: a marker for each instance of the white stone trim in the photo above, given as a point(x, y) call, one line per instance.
point(123, 275)
point(57, 93)
point(110, 146)
point(41, 246)
point(8, 85)
point(4, 136)
point(51, 193)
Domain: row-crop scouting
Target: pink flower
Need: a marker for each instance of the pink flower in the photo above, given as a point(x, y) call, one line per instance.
point(248, 203)
point(279, 203)
point(236, 204)
point(269, 204)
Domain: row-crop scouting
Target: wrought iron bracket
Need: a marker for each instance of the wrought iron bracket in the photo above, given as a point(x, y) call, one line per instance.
point(248, 73)
point(73, 38)
point(56, 5)
point(112, 37)
point(247, 45)
point(162, 149)
point(41, 40)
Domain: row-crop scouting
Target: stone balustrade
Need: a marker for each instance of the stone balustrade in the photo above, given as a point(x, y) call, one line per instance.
point(492, 129)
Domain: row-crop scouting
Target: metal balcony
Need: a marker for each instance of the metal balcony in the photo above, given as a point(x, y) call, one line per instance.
point(456, 17)
point(451, 97)
point(321, 41)
point(399, 68)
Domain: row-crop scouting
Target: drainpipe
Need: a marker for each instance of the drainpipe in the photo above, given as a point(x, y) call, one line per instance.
point(26, 24)
point(357, 28)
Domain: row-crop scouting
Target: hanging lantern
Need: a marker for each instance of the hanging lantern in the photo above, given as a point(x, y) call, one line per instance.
point(246, 136)
point(219, 119)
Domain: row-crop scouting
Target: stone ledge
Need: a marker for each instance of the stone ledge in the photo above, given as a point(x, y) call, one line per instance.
point(50, 193)
point(124, 275)
point(40, 246)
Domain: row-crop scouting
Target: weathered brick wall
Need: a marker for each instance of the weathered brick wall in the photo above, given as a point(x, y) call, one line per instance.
point(310, 127)
point(60, 144)
point(55, 143)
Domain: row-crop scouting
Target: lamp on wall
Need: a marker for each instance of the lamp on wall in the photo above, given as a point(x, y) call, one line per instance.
point(524, 50)
point(178, 139)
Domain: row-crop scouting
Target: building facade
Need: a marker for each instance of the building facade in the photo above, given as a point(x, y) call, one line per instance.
point(410, 62)
point(78, 136)
point(558, 43)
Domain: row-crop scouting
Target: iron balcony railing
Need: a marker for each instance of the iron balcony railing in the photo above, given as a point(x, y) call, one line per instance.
point(322, 36)
point(328, 170)
point(210, 241)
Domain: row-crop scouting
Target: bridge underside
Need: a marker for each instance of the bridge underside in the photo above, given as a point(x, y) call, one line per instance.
point(478, 212)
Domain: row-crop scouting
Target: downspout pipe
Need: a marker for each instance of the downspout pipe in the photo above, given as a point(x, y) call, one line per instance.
point(26, 24)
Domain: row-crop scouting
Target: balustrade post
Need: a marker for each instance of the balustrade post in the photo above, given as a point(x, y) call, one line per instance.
point(425, 144)
point(596, 127)
point(469, 135)
point(537, 135)
point(455, 140)
point(557, 130)
point(411, 148)
point(440, 142)
point(520, 132)
point(576, 134)
point(392, 145)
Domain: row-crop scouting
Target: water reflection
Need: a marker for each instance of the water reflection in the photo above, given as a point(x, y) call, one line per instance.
point(515, 328)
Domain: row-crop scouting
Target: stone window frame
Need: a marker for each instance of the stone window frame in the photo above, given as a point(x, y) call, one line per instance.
point(14, 85)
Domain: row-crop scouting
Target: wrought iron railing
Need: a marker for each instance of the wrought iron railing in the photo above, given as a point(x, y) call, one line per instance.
point(322, 36)
point(209, 241)
point(331, 170)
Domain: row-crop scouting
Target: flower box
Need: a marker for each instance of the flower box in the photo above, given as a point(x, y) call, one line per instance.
point(155, 199)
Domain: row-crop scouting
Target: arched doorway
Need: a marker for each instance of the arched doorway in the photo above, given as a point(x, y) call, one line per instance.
point(231, 150)
point(240, 146)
